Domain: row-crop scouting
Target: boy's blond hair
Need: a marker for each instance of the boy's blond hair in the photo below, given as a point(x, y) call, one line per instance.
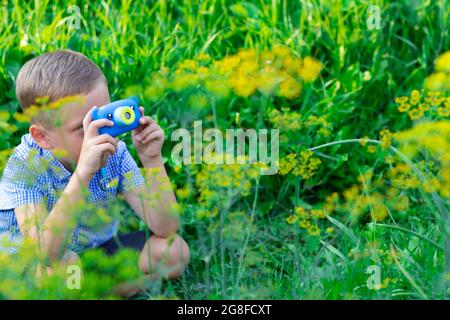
point(56, 75)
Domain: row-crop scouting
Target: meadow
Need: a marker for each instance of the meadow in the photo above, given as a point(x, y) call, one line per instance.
point(359, 91)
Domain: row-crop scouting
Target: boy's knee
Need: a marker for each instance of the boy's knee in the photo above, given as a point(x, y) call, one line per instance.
point(171, 254)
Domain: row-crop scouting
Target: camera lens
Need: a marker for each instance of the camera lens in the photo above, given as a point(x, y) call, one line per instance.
point(124, 116)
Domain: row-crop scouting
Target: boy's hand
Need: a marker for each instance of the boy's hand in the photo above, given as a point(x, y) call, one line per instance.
point(96, 148)
point(148, 139)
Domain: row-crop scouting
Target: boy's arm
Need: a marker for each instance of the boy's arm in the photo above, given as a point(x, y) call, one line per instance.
point(59, 223)
point(154, 201)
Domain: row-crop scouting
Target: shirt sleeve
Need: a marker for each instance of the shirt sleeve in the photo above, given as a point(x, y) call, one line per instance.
point(130, 174)
point(18, 186)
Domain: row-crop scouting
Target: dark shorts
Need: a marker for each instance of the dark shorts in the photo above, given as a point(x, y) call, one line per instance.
point(134, 240)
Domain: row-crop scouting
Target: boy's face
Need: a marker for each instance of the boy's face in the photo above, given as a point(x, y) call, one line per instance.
point(69, 135)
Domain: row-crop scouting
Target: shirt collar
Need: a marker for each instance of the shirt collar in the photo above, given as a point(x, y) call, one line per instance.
point(55, 167)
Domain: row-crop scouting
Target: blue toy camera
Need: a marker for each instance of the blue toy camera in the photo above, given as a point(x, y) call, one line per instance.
point(124, 113)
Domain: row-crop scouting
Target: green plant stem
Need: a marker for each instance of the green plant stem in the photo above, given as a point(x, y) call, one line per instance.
point(418, 235)
point(244, 248)
point(444, 215)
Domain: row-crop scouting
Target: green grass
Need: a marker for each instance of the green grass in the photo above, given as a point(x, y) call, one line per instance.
point(130, 40)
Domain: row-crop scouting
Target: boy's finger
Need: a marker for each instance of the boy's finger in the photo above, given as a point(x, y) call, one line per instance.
point(146, 131)
point(155, 135)
point(103, 138)
point(95, 125)
point(87, 119)
point(146, 119)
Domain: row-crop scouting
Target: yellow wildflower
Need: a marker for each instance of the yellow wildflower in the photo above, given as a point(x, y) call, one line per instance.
point(313, 230)
point(310, 69)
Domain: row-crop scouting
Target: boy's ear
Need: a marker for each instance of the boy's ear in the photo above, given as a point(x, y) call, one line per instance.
point(40, 135)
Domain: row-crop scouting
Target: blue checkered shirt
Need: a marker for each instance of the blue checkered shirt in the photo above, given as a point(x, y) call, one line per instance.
point(33, 175)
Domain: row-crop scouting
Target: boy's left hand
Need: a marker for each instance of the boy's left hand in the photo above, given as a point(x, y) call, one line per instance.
point(148, 139)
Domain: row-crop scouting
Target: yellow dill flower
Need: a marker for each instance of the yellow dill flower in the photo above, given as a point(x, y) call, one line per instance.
point(288, 120)
point(291, 65)
point(310, 69)
point(432, 136)
point(204, 214)
point(401, 203)
point(183, 193)
point(371, 149)
point(267, 81)
point(379, 212)
point(331, 202)
point(329, 230)
point(385, 138)
point(183, 81)
point(324, 132)
point(247, 54)
point(424, 107)
point(305, 224)
point(59, 153)
point(351, 193)
point(198, 101)
point(414, 98)
point(306, 165)
point(21, 117)
point(292, 219)
point(227, 64)
point(365, 177)
point(301, 212)
point(188, 65)
point(389, 159)
point(286, 164)
point(202, 71)
point(437, 81)
point(432, 184)
point(247, 67)
point(267, 57)
point(363, 141)
point(218, 87)
point(317, 214)
point(401, 100)
point(177, 168)
point(404, 107)
point(313, 230)
point(412, 182)
point(289, 88)
point(243, 85)
point(434, 97)
point(281, 51)
point(443, 111)
point(202, 57)
point(442, 63)
point(415, 114)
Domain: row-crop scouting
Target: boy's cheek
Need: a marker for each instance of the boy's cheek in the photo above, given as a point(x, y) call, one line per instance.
point(75, 152)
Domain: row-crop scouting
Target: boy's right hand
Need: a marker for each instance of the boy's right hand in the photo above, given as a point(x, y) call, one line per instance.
point(96, 148)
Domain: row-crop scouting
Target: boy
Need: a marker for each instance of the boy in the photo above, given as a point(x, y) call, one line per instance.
point(51, 194)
